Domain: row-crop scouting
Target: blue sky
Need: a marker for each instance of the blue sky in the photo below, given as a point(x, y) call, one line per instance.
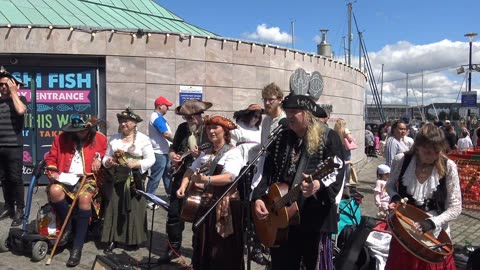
point(406, 36)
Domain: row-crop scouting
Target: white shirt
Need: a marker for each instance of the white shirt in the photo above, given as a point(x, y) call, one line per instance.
point(464, 143)
point(246, 139)
point(143, 148)
point(231, 161)
point(159, 143)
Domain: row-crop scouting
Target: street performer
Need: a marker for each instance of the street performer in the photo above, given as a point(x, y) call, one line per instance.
point(189, 136)
point(218, 242)
point(292, 156)
point(78, 150)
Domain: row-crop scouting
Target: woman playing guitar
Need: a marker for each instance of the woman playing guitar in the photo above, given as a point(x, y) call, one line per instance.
point(430, 181)
point(217, 243)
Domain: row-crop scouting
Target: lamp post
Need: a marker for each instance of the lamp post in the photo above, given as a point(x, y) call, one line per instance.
point(470, 40)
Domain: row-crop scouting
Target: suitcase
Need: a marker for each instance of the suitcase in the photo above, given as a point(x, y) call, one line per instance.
point(111, 262)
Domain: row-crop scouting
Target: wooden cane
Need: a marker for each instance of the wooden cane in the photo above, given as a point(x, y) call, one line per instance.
point(82, 182)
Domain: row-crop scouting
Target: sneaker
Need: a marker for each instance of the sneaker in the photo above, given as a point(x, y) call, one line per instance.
point(152, 206)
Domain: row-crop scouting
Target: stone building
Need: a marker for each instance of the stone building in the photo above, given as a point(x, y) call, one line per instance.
point(101, 56)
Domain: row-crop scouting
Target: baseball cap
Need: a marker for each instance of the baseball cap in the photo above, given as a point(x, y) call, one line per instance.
point(383, 169)
point(161, 100)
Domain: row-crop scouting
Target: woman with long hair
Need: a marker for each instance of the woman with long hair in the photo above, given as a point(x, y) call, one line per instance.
point(429, 179)
point(217, 243)
point(345, 135)
point(128, 158)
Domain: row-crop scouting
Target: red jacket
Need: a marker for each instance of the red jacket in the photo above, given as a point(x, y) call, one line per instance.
point(62, 151)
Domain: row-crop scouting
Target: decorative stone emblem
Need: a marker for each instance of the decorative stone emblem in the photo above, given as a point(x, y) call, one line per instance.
point(315, 87)
point(299, 82)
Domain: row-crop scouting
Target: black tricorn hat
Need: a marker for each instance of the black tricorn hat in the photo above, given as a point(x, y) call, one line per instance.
point(130, 115)
point(304, 103)
point(5, 73)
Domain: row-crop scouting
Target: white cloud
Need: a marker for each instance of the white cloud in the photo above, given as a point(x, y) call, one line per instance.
point(269, 34)
point(438, 61)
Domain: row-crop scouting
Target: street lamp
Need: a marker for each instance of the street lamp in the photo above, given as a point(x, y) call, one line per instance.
point(470, 40)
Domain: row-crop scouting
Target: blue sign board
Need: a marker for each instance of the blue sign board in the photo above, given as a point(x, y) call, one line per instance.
point(469, 99)
point(190, 92)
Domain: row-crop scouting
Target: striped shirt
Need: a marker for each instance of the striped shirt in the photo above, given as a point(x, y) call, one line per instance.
point(11, 123)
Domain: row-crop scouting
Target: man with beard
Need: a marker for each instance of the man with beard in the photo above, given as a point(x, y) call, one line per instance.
point(76, 151)
point(272, 97)
point(190, 137)
point(12, 109)
point(292, 159)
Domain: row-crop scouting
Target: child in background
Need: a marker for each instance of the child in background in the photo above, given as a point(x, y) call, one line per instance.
point(381, 197)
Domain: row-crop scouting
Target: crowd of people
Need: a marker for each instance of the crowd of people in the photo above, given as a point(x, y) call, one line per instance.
point(207, 153)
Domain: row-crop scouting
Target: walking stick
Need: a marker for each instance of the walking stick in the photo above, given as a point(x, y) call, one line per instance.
point(84, 177)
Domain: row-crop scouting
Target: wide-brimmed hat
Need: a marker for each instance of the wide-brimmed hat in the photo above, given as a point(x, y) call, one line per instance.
point(161, 100)
point(129, 115)
point(192, 107)
point(5, 73)
point(304, 103)
point(249, 109)
point(80, 122)
point(221, 121)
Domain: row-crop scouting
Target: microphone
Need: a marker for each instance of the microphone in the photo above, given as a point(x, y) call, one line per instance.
point(282, 124)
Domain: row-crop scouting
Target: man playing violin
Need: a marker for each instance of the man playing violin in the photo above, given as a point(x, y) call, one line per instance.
point(292, 157)
point(189, 136)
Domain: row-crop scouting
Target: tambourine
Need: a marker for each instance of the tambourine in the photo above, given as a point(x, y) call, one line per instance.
point(422, 245)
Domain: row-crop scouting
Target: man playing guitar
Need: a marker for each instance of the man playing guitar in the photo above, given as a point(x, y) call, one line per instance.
point(292, 159)
point(187, 136)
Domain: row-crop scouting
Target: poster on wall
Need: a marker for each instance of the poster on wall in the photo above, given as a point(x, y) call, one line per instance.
point(60, 92)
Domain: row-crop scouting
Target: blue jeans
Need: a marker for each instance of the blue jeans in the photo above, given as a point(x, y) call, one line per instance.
point(158, 171)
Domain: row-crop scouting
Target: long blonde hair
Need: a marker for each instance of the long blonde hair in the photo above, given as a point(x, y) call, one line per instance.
point(339, 127)
point(315, 131)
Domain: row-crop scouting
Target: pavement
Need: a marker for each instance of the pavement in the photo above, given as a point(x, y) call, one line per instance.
point(465, 230)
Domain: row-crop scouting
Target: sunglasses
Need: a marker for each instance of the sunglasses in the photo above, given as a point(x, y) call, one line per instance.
point(4, 84)
point(77, 121)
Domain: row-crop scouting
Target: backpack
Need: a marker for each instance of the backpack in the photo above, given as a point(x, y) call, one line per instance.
point(354, 255)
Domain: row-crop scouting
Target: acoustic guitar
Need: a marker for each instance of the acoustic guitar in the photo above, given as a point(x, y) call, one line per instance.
point(282, 206)
point(174, 169)
point(192, 199)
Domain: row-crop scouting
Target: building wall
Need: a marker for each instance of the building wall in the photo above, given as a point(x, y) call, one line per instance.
point(231, 73)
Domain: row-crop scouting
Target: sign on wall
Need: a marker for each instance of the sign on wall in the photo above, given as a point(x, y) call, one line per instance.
point(60, 92)
point(190, 92)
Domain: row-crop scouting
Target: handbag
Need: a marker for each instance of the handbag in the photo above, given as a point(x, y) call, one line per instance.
point(350, 145)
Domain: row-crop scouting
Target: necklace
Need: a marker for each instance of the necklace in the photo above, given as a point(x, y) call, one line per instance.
point(127, 136)
point(424, 168)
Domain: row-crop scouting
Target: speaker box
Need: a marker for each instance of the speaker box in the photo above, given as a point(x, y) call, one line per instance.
point(111, 262)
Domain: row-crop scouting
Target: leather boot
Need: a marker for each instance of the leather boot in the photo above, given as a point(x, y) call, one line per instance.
point(174, 232)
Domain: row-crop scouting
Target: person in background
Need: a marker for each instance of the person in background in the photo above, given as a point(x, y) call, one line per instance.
point(247, 135)
point(395, 143)
point(464, 142)
point(382, 199)
point(429, 179)
point(345, 134)
point(218, 242)
point(12, 110)
point(377, 141)
point(476, 135)
point(129, 156)
point(191, 135)
point(451, 137)
point(293, 156)
point(369, 142)
point(161, 137)
point(78, 150)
